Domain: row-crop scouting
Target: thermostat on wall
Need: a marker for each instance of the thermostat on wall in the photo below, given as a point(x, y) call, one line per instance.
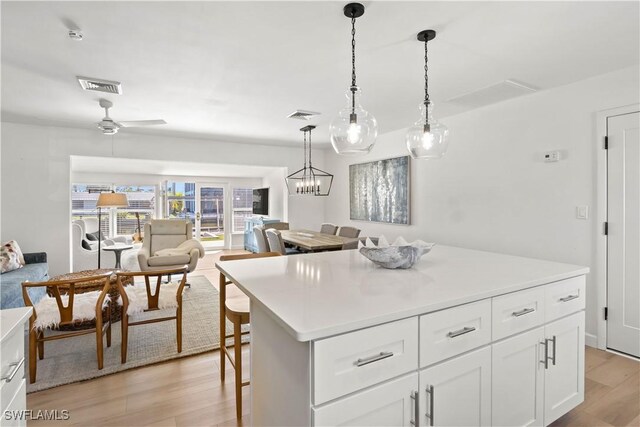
point(552, 156)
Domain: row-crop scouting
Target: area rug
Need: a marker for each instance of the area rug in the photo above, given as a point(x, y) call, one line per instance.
point(74, 359)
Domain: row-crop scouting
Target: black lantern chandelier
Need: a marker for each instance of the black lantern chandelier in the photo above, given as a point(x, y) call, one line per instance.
point(309, 181)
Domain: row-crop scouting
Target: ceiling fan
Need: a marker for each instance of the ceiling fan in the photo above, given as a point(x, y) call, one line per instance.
point(110, 127)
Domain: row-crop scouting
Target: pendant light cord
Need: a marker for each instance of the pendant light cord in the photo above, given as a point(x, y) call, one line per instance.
point(305, 152)
point(310, 151)
point(426, 77)
point(353, 62)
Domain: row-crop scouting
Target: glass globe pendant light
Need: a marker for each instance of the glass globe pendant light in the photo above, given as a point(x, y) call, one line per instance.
point(427, 138)
point(354, 130)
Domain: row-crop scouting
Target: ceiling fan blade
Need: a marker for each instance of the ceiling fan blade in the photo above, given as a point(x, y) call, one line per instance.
point(137, 123)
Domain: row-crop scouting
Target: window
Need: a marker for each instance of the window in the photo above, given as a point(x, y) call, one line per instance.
point(83, 203)
point(242, 207)
point(115, 221)
point(142, 201)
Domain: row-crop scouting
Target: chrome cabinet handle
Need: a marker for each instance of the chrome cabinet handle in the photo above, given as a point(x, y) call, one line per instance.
point(553, 357)
point(462, 331)
point(367, 360)
point(429, 415)
point(14, 371)
point(569, 298)
point(416, 409)
point(523, 312)
point(546, 353)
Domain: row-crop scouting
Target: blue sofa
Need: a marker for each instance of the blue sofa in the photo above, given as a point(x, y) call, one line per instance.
point(36, 269)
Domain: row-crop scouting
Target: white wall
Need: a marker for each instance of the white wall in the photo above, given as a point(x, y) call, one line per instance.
point(492, 191)
point(36, 177)
point(237, 239)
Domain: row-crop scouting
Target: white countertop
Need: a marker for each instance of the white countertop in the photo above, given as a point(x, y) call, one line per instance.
point(12, 318)
point(317, 295)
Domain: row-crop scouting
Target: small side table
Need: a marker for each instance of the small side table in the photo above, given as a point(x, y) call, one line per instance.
point(117, 249)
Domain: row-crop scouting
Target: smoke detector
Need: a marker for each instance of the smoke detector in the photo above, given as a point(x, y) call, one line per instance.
point(75, 35)
point(99, 85)
point(303, 115)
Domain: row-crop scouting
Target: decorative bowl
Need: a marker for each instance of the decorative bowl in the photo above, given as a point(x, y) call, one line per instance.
point(398, 255)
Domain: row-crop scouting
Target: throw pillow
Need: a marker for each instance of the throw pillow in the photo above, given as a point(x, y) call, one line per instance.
point(12, 245)
point(9, 258)
point(94, 237)
point(86, 245)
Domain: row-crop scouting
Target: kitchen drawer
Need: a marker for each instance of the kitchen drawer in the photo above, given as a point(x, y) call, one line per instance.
point(352, 361)
point(564, 297)
point(445, 333)
point(16, 407)
point(11, 356)
point(517, 312)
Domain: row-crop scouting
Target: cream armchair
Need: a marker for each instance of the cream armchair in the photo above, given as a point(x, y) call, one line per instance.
point(169, 244)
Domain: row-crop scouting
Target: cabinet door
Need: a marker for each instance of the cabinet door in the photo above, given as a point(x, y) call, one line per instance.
point(564, 377)
point(389, 404)
point(518, 380)
point(457, 392)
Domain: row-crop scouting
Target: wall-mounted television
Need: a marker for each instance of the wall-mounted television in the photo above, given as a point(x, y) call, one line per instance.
point(261, 201)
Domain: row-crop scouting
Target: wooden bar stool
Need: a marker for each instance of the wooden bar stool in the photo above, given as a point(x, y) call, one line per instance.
point(236, 309)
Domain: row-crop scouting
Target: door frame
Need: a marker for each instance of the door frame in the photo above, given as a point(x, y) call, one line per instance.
point(600, 273)
point(225, 201)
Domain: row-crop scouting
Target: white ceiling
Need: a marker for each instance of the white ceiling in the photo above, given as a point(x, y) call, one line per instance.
point(117, 166)
point(235, 70)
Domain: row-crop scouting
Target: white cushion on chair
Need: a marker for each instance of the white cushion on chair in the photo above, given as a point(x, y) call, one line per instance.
point(84, 308)
point(138, 302)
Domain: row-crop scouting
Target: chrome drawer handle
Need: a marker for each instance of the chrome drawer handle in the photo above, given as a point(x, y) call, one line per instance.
point(14, 371)
point(416, 409)
point(366, 361)
point(429, 415)
point(462, 331)
point(523, 312)
point(569, 298)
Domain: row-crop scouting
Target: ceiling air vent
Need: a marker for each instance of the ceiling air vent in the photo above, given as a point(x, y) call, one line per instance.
point(498, 92)
point(303, 115)
point(99, 85)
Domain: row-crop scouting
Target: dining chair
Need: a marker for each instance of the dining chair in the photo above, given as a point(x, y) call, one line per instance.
point(261, 239)
point(328, 228)
point(278, 225)
point(68, 309)
point(276, 244)
point(235, 308)
point(349, 232)
point(142, 297)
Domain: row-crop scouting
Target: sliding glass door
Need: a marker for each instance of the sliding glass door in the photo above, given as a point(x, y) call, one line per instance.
point(210, 224)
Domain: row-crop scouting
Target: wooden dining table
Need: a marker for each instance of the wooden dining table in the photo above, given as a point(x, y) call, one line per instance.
point(314, 241)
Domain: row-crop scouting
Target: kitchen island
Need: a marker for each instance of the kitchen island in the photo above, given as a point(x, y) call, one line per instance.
point(464, 337)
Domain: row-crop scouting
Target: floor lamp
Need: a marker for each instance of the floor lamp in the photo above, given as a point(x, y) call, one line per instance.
point(108, 200)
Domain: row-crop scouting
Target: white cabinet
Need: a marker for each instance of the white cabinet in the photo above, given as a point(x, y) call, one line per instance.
point(390, 404)
point(538, 376)
point(457, 392)
point(13, 397)
point(564, 377)
point(518, 380)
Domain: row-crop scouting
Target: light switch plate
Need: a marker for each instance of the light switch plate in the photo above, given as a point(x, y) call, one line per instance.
point(552, 156)
point(582, 212)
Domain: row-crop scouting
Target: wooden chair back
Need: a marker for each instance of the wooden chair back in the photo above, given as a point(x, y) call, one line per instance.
point(69, 288)
point(153, 295)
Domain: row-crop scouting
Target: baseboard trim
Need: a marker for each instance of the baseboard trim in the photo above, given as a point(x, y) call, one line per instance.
point(591, 340)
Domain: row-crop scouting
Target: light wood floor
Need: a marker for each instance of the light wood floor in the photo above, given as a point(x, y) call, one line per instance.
point(188, 392)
